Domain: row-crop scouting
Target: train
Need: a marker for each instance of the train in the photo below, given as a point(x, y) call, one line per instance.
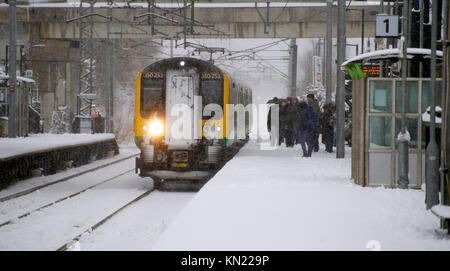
point(183, 127)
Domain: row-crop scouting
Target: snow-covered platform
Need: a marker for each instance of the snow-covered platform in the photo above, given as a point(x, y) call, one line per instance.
point(277, 200)
point(20, 146)
point(18, 156)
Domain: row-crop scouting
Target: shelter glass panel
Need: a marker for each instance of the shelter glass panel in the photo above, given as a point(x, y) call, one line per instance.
point(426, 94)
point(412, 125)
point(412, 96)
point(379, 168)
point(380, 132)
point(380, 96)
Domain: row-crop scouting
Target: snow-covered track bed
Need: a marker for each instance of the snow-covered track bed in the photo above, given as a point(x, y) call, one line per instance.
point(52, 216)
point(63, 199)
point(72, 243)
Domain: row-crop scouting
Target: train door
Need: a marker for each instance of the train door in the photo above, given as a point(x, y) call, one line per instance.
point(180, 90)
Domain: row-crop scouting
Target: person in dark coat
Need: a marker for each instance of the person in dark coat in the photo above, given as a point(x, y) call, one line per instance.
point(314, 104)
point(285, 123)
point(305, 129)
point(295, 128)
point(327, 128)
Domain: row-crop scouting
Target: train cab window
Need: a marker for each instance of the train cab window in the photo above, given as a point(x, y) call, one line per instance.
point(152, 97)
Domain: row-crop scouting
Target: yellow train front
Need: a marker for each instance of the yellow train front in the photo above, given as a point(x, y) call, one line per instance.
point(181, 122)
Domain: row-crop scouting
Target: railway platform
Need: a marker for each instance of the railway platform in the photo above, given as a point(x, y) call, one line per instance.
point(275, 199)
point(50, 153)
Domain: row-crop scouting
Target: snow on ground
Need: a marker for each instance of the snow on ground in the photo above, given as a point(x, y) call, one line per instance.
point(39, 142)
point(15, 207)
point(277, 200)
point(52, 227)
point(139, 226)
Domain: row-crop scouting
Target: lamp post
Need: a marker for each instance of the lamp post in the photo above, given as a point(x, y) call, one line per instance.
point(432, 152)
point(340, 101)
point(12, 118)
point(329, 51)
point(403, 147)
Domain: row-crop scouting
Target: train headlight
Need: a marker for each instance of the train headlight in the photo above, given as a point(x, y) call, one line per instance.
point(155, 127)
point(218, 128)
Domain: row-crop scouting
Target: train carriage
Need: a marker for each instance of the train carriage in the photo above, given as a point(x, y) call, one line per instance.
point(181, 122)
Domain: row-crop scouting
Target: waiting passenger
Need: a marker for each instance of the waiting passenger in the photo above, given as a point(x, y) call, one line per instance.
point(285, 124)
point(306, 127)
point(314, 104)
point(328, 128)
point(275, 133)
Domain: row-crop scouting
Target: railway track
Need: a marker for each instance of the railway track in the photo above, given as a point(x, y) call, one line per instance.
point(77, 174)
point(72, 243)
point(64, 198)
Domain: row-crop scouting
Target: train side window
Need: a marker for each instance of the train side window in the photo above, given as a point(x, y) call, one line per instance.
point(212, 93)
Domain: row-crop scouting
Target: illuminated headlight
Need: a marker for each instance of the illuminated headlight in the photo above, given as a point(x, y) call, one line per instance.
point(182, 63)
point(218, 128)
point(155, 128)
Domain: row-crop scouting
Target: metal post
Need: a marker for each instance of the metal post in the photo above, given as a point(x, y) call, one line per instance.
point(446, 186)
point(340, 102)
point(12, 125)
point(108, 76)
point(192, 16)
point(432, 153)
point(421, 3)
point(184, 22)
point(382, 62)
point(329, 51)
point(362, 31)
point(403, 148)
point(444, 88)
point(293, 68)
point(409, 11)
point(7, 59)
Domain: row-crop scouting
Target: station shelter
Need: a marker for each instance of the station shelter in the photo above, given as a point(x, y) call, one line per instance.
point(376, 122)
point(24, 89)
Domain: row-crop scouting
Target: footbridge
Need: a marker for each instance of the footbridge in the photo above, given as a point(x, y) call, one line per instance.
point(199, 19)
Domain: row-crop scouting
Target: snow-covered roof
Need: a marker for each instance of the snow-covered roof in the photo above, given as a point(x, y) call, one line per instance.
point(391, 54)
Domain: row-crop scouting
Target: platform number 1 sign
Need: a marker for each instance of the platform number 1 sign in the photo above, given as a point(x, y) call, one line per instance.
point(387, 26)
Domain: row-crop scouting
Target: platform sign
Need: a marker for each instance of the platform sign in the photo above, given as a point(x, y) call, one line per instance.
point(386, 26)
point(317, 72)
